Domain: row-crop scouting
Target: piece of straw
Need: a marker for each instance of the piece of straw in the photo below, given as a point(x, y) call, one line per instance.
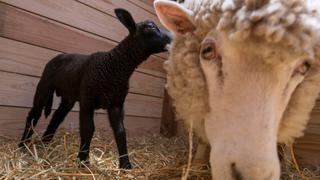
point(295, 162)
point(187, 171)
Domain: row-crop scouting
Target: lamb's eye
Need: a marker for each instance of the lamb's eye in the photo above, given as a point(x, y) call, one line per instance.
point(208, 50)
point(150, 29)
point(303, 68)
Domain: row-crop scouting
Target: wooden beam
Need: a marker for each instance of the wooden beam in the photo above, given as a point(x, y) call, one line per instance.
point(168, 126)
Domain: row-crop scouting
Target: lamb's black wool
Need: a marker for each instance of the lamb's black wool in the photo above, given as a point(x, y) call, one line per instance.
point(100, 80)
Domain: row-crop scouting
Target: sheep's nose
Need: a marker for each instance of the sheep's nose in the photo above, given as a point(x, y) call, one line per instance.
point(238, 174)
point(235, 172)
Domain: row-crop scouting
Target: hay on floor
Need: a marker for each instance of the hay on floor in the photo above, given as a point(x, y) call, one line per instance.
point(153, 157)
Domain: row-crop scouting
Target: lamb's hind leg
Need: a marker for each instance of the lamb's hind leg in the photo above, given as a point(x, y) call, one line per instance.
point(57, 118)
point(32, 120)
point(116, 116)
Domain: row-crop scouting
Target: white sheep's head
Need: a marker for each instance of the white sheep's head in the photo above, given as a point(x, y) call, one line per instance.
point(259, 63)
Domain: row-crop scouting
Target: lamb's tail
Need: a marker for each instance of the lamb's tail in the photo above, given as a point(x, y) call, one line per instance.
point(43, 99)
point(48, 106)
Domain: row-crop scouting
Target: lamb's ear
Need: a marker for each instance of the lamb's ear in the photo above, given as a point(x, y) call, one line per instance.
point(126, 19)
point(174, 16)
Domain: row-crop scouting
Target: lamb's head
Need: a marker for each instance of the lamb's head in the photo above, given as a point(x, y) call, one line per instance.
point(258, 60)
point(147, 35)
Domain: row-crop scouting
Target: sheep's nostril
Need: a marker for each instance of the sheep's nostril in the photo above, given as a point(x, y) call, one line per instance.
point(235, 173)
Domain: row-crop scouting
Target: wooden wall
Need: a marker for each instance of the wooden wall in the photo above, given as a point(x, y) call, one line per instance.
point(34, 31)
point(307, 148)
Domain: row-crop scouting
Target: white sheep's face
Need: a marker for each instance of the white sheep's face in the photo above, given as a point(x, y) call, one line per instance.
point(249, 85)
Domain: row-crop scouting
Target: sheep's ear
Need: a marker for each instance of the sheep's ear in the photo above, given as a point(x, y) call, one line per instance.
point(126, 19)
point(174, 17)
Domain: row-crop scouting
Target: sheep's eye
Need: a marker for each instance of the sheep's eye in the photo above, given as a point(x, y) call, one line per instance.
point(303, 68)
point(208, 50)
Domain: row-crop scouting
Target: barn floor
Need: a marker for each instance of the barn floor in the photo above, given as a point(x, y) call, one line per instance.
point(153, 157)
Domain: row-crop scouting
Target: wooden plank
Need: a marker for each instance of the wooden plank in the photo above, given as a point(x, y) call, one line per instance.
point(23, 58)
point(30, 60)
point(18, 90)
point(108, 7)
point(77, 15)
point(12, 122)
point(58, 37)
point(314, 125)
point(147, 6)
point(314, 122)
point(46, 33)
point(307, 150)
point(139, 105)
point(147, 85)
point(149, 2)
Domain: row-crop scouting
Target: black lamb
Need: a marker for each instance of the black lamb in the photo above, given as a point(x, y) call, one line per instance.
point(99, 80)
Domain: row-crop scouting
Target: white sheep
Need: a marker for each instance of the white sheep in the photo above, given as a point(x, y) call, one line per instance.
point(245, 72)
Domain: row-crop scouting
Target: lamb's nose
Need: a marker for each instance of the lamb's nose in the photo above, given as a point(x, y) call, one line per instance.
point(168, 36)
point(235, 172)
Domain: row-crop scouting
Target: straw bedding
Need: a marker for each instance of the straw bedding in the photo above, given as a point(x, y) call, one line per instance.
point(153, 157)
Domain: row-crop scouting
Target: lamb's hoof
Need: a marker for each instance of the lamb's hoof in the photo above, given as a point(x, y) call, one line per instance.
point(83, 164)
point(46, 141)
point(126, 165)
point(83, 159)
point(23, 145)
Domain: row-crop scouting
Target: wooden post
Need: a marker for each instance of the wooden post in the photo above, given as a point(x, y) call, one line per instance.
point(168, 123)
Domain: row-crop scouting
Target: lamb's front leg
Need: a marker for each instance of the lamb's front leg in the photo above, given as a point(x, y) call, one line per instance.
point(116, 116)
point(86, 131)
